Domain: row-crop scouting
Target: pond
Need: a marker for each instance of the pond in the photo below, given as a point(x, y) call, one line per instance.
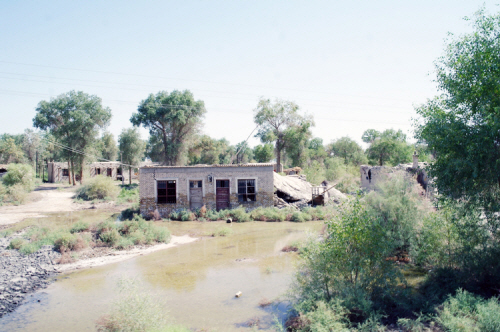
point(198, 281)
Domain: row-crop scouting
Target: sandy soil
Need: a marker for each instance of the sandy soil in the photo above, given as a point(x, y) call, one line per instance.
point(120, 255)
point(46, 198)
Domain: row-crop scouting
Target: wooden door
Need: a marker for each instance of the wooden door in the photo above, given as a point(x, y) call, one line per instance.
point(222, 194)
point(195, 194)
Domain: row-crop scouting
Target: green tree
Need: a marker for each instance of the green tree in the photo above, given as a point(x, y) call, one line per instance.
point(132, 148)
point(281, 123)
point(244, 153)
point(210, 151)
point(349, 150)
point(462, 126)
point(263, 153)
point(370, 135)
point(391, 147)
point(174, 117)
point(108, 147)
point(11, 150)
point(74, 119)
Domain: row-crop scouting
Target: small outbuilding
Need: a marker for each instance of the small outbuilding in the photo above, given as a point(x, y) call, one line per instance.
point(167, 188)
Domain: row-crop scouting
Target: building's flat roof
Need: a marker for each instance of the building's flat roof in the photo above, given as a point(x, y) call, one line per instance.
point(216, 165)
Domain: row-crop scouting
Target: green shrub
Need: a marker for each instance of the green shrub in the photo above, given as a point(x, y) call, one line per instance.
point(239, 214)
point(79, 226)
point(106, 225)
point(212, 215)
point(350, 265)
point(299, 216)
point(140, 231)
point(174, 215)
point(137, 310)
point(186, 215)
point(99, 187)
point(65, 241)
point(20, 174)
point(223, 231)
point(16, 243)
point(327, 317)
point(124, 243)
point(29, 248)
point(268, 214)
point(17, 193)
point(110, 237)
point(468, 312)
point(128, 195)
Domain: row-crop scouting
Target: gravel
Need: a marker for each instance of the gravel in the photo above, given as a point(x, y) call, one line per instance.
point(22, 274)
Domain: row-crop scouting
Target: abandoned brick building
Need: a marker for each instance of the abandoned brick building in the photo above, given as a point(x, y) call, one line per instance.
point(59, 172)
point(167, 188)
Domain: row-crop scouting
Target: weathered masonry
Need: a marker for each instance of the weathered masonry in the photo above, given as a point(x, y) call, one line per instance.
point(168, 188)
point(57, 172)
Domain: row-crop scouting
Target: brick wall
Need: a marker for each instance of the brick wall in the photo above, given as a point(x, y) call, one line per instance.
point(148, 176)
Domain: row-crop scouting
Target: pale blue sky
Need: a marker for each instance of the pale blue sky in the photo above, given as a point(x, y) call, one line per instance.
point(353, 65)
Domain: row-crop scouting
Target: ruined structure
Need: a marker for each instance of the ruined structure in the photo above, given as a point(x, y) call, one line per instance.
point(167, 188)
point(110, 168)
point(57, 172)
point(372, 175)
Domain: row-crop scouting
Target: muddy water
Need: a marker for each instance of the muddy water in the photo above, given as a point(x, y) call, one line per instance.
point(198, 281)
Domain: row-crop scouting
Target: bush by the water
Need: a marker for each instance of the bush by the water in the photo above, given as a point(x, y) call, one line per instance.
point(99, 187)
point(137, 310)
point(81, 235)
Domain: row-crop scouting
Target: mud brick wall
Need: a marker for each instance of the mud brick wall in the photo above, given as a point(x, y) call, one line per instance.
point(148, 176)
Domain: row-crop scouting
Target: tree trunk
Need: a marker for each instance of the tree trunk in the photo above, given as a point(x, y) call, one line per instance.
point(278, 158)
point(129, 175)
point(164, 138)
point(81, 173)
point(69, 172)
point(73, 172)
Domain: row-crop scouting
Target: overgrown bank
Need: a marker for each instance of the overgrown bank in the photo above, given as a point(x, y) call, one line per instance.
point(356, 276)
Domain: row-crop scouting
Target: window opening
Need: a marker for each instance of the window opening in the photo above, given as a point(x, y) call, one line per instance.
point(222, 183)
point(246, 190)
point(65, 172)
point(166, 192)
point(98, 171)
point(195, 184)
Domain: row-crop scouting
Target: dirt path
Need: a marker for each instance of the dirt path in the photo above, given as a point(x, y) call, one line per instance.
point(48, 199)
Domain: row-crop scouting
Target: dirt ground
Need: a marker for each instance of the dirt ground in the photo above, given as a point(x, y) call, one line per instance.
point(48, 197)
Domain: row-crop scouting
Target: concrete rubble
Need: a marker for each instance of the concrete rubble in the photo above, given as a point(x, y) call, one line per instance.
point(295, 191)
point(23, 274)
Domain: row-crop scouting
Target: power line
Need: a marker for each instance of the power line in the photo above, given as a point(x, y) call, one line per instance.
point(184, 79)
point(221, 92)
point(62, 146)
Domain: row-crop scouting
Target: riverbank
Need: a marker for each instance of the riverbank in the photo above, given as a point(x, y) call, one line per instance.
point(21, 275)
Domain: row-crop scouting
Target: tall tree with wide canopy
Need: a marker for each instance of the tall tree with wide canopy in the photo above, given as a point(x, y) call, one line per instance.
point(132, 148)
point(174, 117)
point(280, 122)
point(349, 150)
point(462, 126)
point(390, 147)
point(74, 119)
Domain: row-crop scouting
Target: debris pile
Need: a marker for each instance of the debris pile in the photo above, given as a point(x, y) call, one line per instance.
point(295, 191)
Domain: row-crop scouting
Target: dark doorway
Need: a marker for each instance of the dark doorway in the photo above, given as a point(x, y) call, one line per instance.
point(222, 194)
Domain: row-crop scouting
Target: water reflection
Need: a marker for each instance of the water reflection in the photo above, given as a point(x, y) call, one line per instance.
point(198, 281)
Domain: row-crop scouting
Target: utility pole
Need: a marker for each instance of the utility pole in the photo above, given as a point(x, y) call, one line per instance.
point(37, 170)
point(121, 167)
